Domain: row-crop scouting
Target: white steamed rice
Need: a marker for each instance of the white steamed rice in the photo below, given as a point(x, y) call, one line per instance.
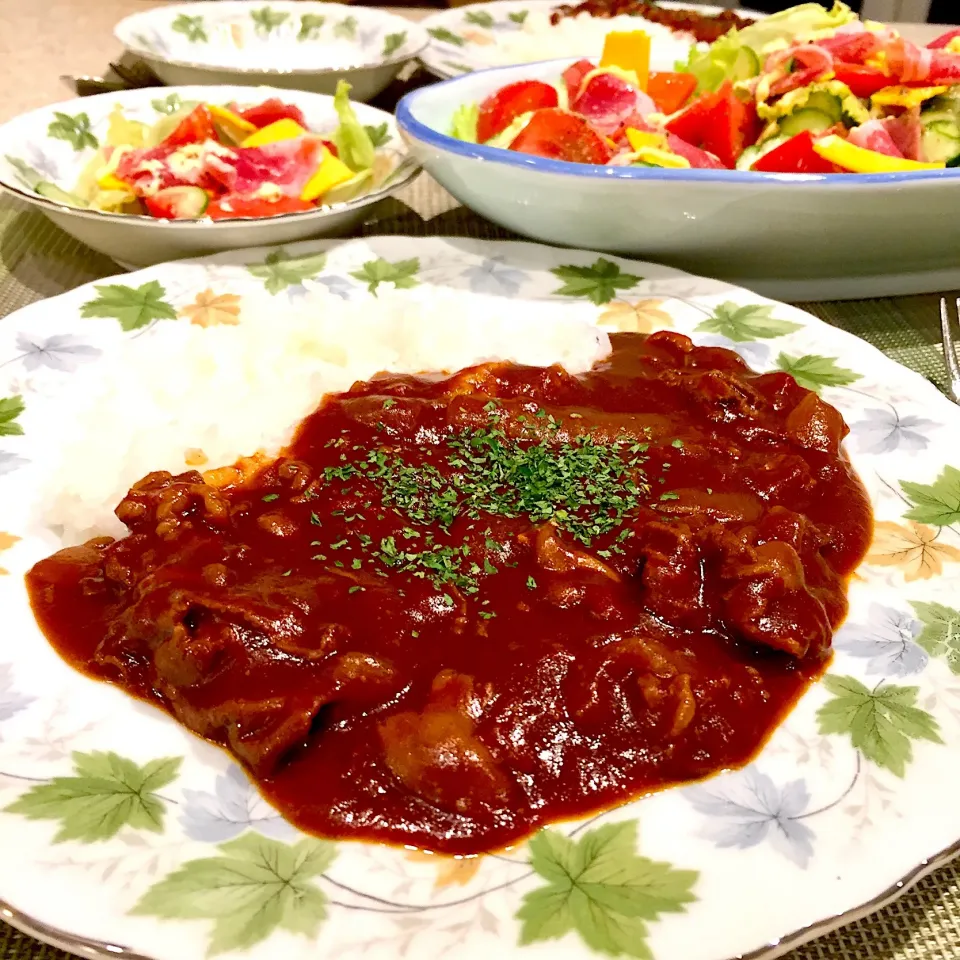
point(581, 36)
point(233, 390)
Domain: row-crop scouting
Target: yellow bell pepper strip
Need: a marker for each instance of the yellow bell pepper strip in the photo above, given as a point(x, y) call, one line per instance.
point(107, 178)
point(285, 129)
point(628, 51)
point(231, 125)
point(228, 116)
point(662, 158)
point(905, 96)
point(652, 148)
point(858, 160)
point(331, 172)
point(638, 139)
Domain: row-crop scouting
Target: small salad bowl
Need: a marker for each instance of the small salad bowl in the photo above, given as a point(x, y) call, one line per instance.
point(88, 165)
point(293, 44)
point(795, 237)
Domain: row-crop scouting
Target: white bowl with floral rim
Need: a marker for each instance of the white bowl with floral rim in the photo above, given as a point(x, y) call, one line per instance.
point(53, 145)
point(295, 44)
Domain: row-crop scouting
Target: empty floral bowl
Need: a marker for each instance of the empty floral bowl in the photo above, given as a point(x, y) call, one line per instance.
point(294, 44)
point(50, 156)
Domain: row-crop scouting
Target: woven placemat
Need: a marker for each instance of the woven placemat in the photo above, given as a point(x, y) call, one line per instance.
point(38, 260)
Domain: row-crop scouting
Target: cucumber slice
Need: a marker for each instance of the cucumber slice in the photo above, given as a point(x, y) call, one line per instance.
point(349, 189)
point(745, 66)
point(940, 140)
point(181, 203)
point(800, 121)
point(826, 103)
point(52, 192)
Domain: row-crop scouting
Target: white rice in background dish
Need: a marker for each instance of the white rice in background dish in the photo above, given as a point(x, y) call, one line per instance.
point(231, 391)
point(582, 36)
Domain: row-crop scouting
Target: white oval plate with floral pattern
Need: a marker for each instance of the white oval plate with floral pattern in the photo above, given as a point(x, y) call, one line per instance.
point(123, 835)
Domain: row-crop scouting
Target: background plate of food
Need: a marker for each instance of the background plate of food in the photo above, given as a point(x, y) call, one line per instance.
point(505, 32)
point(303, 45)
point(125, 835)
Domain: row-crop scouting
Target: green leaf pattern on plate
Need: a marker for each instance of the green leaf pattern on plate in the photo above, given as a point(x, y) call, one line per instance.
point(815, 372)
point(401, 273)
point(392, 42)
point(936, 503)
point(598, 283)
point(28, 176)
point(280, 270)
point(479, 18)
point(600, 888)
point(379, 135)
point(940, 633)
point(75, 130)
point(10, 410)
point(881, 723)
point(107, 793)
point(310, 24)
point(346, 29)
point(742, 324)
point(132, 307)
point(255, 887)
point(191, 27)
point(446, 36)
point(518, 16)
point(168, 105)
point(266, 19)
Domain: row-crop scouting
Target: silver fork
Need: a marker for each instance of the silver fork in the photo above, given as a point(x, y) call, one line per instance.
point(950, 350)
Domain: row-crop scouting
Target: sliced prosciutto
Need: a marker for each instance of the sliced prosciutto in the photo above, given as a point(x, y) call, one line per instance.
point(285, 167)
point(874, 135)
point(797, 67)
point(606, 101)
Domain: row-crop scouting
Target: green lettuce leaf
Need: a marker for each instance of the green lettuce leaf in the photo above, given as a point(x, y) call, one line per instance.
point(806, 21)
point(464, 123)
point(851, 107)
point(351, 138)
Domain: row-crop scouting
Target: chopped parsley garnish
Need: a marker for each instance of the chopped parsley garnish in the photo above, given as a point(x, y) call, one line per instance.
point(531, 583)
point(270, 497)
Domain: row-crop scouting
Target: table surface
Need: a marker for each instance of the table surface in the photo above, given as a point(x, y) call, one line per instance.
point(42, 39)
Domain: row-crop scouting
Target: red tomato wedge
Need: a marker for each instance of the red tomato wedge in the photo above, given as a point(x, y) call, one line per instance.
point(233, 206)
point(500, 109)
point(796, 155)
point(862, 81)
point(670, 91)
point(719, 123)
point(196, 127)
point(272, 110)
point(943, 41)
point(559, 135)
point(573, 77)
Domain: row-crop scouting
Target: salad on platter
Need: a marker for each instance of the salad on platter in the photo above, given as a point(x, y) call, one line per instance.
point(804, 91)
point(227, 161)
